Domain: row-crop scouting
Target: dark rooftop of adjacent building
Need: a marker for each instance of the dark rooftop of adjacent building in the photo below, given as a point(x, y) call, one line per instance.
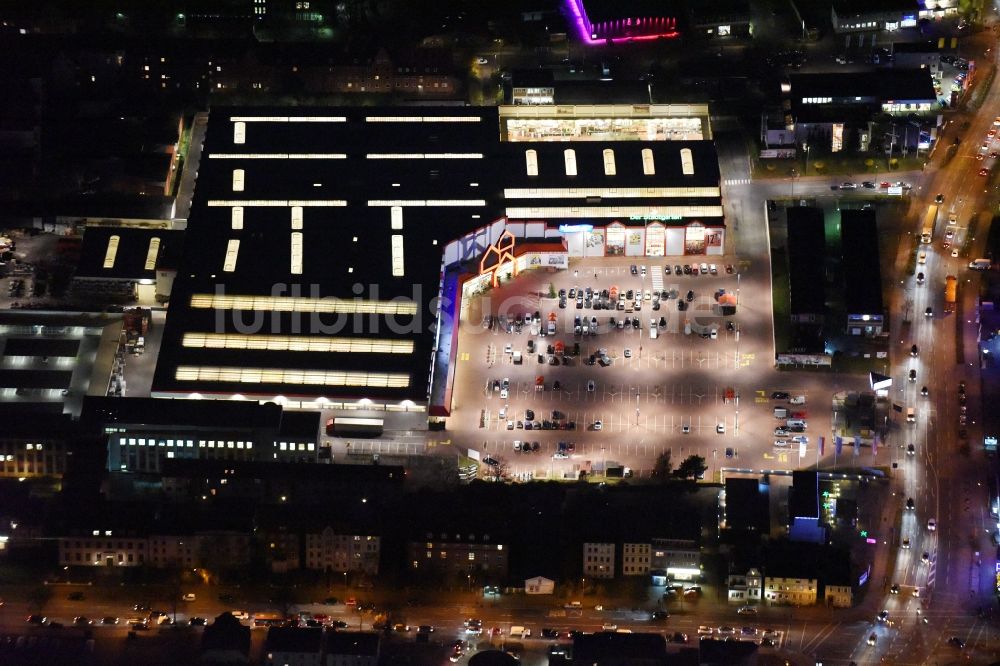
point(252, 469)
point(602, 92)
point(354, 643)
point(611, 10)
point(137, 257)
point(806, 260)
point(101, 411)
point(854, 7)
point(747, 507)
point(294, 639)
point(803, 499)
point(882, 85)
point(860, 255)
point(606, 647)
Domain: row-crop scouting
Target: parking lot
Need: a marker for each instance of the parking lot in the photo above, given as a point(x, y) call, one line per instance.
point(702, 385)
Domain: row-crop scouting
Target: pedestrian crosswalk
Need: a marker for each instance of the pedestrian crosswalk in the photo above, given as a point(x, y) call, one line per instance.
point(737, 181)
point(657, 275)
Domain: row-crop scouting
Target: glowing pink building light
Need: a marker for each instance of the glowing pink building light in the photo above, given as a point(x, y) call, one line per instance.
point(591, 34)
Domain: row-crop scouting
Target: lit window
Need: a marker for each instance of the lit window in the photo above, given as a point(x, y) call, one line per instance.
point(531, 161)
point(687, 162)
point(112, 251)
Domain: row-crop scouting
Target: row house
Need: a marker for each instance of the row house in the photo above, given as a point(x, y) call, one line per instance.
point(329, 550)
point(104, 548)
point(599, 559)
point(456, 554)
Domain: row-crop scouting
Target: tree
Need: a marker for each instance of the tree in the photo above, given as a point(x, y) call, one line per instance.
point(692, 467)
point(663, 466)
point(552, 290)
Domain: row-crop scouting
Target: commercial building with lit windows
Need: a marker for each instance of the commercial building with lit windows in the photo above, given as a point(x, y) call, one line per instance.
point(323, 243)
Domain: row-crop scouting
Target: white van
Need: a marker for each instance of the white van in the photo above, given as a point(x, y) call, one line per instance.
point(653, 332)
point(797, 423)
point(980, 265)
point(517, 631)
point(780, 413)
point(911, 415)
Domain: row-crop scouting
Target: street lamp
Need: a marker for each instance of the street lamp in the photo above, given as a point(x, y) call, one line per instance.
point(805, 147)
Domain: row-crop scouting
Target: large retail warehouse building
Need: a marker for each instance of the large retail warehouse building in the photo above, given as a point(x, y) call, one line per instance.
point(320, 239)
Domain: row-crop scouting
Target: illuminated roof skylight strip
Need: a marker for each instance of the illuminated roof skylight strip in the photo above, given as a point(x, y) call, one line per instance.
point(424, 156)
point(296, 343)
point(112, 252)
point(422, 119)
point(151, 253)
point(301, 304)
point(578, 212)
point(288, 119)
point(278, 156)
point(195, 373)
point(426, 202)
point(277, 203)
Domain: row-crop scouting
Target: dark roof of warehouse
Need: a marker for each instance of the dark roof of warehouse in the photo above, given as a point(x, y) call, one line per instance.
point(806, 260)
point(855, 7)
point(601, 92)
point(859, 251)
point(294, 639)
point(343, 246)
point(133, 248)
point(882, 84)
point(352, 643)
point(101, 411)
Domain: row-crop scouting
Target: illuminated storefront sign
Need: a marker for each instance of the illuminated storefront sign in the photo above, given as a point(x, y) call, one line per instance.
point(615, 241)
point(654, 218)
point(573, 228)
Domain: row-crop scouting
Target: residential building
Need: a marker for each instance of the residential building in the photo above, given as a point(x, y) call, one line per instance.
point(726, 19)
point(599, 560)
point(459, 554)
point(745, 588)
point(174, 552)
point(635, 559)
point(790, 591)
point(103, 548)
point(676, 559)
point(337, 551)
point(351, 648)
point(34, 444)
point(294, 646)
point(838, 596)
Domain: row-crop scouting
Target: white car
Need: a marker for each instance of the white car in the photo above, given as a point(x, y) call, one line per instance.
point(780, 432)
point(713, 269)
point(781, 443)
point(504, 393)
point(848, 186)
point(797, 400)
point(800, 439)
point(559, 455)
point(627, 353)
point(720, 428)
point(686, 428)
point(703, 268)
point(931, 524)
point(598, 425)
point(704, 630)
point(922, 258)
point(954, 253)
